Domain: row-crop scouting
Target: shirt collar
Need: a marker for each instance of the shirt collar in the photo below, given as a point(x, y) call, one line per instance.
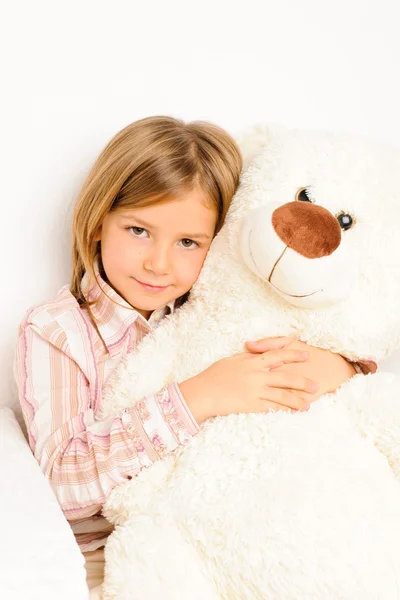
point(113, 315)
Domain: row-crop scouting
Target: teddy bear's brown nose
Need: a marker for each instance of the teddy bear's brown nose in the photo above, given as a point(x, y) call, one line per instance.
point(310, 230)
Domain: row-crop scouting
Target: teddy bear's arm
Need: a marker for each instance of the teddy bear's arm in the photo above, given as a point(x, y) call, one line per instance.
point(374, 404)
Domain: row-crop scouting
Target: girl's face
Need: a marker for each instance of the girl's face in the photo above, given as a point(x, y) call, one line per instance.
point(153, 255)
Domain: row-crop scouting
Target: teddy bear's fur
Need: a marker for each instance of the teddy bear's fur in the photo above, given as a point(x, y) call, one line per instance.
point(278, 506)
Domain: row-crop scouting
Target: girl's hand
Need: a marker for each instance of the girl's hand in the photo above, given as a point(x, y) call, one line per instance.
point(249, 383)
point(330, 370)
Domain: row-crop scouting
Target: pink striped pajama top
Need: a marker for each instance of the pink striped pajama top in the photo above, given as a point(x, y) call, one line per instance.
point(62, 363)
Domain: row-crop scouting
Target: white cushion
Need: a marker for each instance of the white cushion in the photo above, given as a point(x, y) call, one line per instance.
point(39, 556)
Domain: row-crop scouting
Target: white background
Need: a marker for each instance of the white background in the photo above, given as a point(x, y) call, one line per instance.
point(77, 72)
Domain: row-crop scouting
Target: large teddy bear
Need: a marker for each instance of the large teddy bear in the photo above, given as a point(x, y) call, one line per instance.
point(278, 506)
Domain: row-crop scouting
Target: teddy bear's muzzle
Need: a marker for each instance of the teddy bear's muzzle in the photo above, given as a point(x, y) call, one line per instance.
point(298, 249)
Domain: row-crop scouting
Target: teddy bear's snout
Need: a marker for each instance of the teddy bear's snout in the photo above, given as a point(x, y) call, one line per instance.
point(308, 229)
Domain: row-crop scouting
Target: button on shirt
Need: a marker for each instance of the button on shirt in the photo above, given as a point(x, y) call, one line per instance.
point(65, 354)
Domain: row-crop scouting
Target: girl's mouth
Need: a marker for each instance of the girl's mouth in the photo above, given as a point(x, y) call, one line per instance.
point(151, 288)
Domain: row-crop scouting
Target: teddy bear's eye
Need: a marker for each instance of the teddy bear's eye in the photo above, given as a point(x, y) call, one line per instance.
point(302, 195)
point(346, 221)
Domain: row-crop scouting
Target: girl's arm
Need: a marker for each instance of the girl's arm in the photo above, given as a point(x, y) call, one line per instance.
point(85, 459)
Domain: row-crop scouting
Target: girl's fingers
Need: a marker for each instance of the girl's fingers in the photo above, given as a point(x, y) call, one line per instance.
point(267, 344)
point(290, 381)
point(284, 399)
point(274, 406)
point(276, 358)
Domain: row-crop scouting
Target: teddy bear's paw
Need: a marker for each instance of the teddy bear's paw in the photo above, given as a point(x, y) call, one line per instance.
point(149, 559)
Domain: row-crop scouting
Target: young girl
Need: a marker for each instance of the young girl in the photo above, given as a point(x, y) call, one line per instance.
point(143, 223)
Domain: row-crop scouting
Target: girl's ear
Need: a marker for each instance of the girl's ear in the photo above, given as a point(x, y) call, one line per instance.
point(97, 237)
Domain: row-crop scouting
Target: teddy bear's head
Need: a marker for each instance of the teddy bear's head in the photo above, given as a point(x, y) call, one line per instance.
point(318, 223)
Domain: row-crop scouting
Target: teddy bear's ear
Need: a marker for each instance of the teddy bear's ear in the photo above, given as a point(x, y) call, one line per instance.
point(252, 140)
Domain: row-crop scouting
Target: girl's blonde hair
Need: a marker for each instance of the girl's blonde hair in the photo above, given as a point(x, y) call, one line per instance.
point(150, 161)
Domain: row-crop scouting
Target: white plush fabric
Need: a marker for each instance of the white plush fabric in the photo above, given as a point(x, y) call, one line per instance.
point(40, 559)
point(278, 506)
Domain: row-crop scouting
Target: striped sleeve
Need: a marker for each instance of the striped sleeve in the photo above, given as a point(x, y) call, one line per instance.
point(85, 459)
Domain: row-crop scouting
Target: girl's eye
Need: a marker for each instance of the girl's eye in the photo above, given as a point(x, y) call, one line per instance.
point(186, 243)
point(138, 231)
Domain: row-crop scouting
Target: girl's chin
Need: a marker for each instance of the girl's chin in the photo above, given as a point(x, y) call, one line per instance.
point(149, 305)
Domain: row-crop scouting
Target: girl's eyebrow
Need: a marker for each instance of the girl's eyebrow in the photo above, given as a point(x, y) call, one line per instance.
point(149, 226)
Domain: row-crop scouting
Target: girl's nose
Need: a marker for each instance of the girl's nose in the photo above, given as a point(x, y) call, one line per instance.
point(158, 260)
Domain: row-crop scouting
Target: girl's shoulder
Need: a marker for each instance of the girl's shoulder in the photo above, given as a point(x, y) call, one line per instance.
point(59, 330)
point(55, 319)
point(50, 310)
